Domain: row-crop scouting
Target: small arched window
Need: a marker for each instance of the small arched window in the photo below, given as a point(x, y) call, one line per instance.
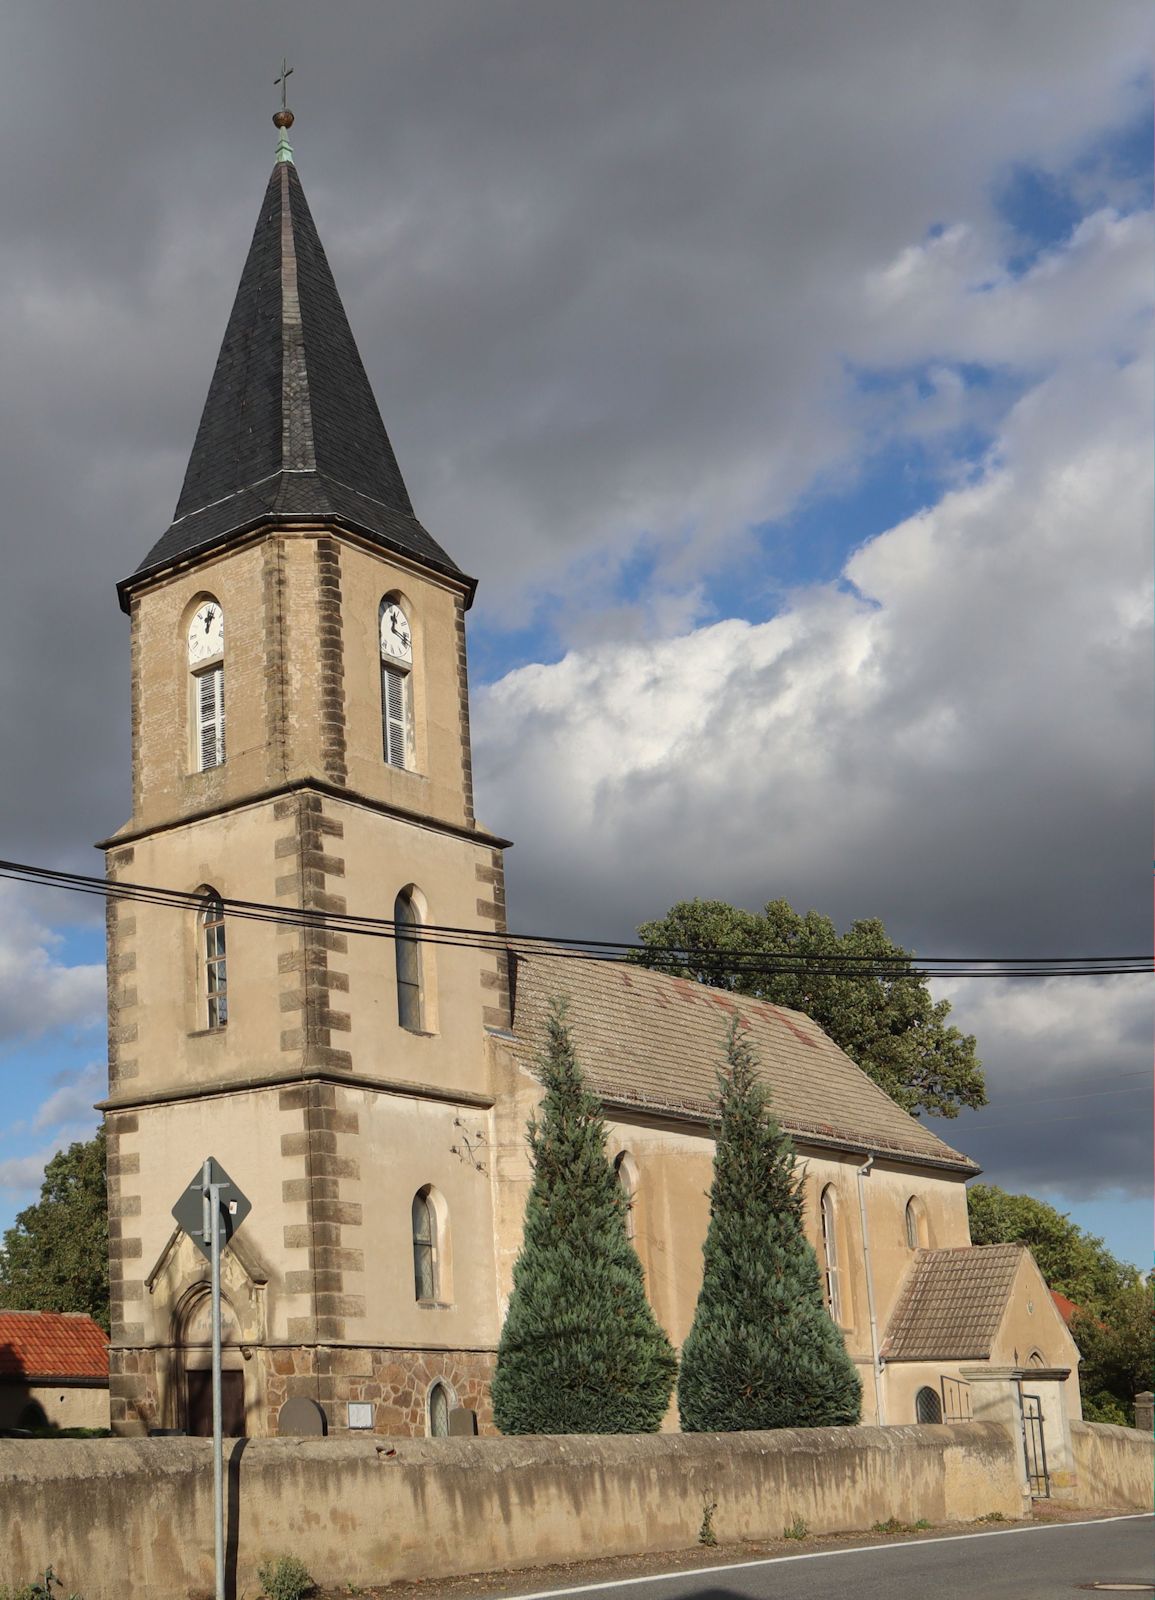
point(214, 961)
point(627, 1175)
point(424, 1246)
point(439, 1412)
point(396, 684)
point(1036, 1359)
point(927, 1405)
point(408, 954)
point(206, 649)
point(832, 1276)
point(913, 1232)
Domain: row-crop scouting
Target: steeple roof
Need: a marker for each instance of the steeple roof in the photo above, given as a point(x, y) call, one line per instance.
point(290, 429)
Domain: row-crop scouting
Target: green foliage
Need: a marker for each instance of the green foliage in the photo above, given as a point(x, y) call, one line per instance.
point(798, 1529)
point(55, 1255)
point(285, 1578)
point(706, 1534)
point(889, 1025)
point(1118, 1349)
point(896, 1525)
point(580, 1351)
point(762, 1351)
point(38, 1589)
point(1072, 1261)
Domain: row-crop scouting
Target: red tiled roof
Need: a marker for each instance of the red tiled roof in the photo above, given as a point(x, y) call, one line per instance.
point(51, 1344)
point(1067, 1308)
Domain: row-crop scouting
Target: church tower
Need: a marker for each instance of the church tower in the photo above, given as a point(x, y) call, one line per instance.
point(300, 740)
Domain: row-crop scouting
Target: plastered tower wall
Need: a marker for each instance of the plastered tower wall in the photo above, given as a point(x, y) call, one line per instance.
point(327, 1112)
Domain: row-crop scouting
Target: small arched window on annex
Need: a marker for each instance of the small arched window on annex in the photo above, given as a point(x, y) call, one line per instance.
point(917, 1229)
point(626, 1170)
point(205, 644)
point(927, 1405)
point(832, 1284)
point(212, 962)
point(396, 641)
point(1036, 1359)
point(439, 1403)
point(432, 1260)
point(412, 1000)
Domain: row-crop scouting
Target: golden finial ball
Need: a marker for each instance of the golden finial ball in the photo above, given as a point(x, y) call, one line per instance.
point(283, 119)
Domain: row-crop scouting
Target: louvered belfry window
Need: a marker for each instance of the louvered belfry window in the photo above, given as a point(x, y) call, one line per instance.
point(396, 638)
point(395, 714)
point(215, 963)
point(210, 703)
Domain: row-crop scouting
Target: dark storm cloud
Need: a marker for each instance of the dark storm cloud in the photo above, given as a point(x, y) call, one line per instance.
point(606, 264)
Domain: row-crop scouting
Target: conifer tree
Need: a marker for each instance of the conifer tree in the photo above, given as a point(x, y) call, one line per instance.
point(581, 1351)
point(762, 1351)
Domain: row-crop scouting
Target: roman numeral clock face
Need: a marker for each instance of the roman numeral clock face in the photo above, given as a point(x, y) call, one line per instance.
point(206, 633)
point(396, 640)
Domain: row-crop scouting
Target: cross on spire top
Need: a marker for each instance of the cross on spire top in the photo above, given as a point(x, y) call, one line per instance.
point(283, 119)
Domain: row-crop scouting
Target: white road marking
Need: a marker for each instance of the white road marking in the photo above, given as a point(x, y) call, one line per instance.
point(821, 1555)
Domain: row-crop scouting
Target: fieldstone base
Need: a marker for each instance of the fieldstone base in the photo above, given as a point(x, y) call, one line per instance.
point(396, 1383)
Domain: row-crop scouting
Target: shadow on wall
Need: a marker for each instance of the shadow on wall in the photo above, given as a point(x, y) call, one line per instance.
point(18, 1408)
point(233, 1514)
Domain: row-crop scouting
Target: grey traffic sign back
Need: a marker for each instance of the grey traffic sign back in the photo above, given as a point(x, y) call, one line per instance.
point(189, 1209)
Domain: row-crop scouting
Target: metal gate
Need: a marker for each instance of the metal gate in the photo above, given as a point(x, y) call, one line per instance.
point(1035, 1448)
point(956, 1400)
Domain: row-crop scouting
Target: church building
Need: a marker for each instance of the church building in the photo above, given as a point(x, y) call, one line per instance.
point(300, 740)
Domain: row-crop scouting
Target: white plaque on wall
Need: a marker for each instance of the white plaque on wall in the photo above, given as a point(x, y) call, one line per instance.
point(360, 1414)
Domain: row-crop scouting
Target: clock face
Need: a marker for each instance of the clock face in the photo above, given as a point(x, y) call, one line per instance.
point(396, 639)
point(206, 633)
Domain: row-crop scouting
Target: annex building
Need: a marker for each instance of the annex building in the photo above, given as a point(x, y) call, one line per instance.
point(300, 740)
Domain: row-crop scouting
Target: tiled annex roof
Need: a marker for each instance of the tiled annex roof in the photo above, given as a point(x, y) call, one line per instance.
point(952, 1303)
point(52, 1344)
point(290, 428)
point(649, 1040)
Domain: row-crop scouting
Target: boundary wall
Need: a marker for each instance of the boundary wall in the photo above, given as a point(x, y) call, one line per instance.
point(134, 1516)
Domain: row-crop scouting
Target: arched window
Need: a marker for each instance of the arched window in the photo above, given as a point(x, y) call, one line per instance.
point(831, 1271)
point(396, 684)
point(206, 649)
point(915, 1224)
point(627, 1174)
point(1036, 1359)
point(214, 962)
point(424, 1246)
point(408, 954)
point(439, 1412)
point(927, 1406)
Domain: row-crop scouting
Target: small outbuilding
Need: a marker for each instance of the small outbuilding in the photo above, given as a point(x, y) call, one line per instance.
point(53, 1370)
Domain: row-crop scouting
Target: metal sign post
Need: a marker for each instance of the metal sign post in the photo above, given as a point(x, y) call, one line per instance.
point(200, 1212)
point(212, 1204)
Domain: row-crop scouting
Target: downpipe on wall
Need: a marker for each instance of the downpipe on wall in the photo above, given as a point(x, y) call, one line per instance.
point(875, 1362)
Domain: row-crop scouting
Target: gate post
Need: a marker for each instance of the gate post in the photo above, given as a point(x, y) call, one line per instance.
point(996, 1397)
point(1145, 1411)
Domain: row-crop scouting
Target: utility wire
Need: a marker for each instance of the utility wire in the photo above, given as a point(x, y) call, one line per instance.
point(717, 962)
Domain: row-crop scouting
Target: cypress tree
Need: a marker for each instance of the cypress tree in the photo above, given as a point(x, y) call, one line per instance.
point(762, 1351)
point(581, 1351)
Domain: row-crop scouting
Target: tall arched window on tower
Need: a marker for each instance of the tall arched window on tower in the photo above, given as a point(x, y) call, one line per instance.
point(424, 1246)
point(408, 950)
point(206, 651)
point(396, 684)
point(831, 1272)
point(214, 962)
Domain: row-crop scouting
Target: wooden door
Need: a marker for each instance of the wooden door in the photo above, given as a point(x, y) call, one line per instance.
point(200, 1404)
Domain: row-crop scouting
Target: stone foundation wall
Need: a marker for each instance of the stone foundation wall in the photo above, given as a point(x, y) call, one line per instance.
point(395, 1382)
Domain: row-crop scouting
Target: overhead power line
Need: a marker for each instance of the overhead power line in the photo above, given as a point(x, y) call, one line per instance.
point(715, 962)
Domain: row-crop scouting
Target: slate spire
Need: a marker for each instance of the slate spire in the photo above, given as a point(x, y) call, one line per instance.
point(290, 429)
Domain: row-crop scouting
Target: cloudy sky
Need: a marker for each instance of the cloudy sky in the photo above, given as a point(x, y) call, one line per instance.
point(784, 374)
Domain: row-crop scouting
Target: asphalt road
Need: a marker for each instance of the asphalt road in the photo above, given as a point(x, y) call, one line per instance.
point(1048, 1562)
